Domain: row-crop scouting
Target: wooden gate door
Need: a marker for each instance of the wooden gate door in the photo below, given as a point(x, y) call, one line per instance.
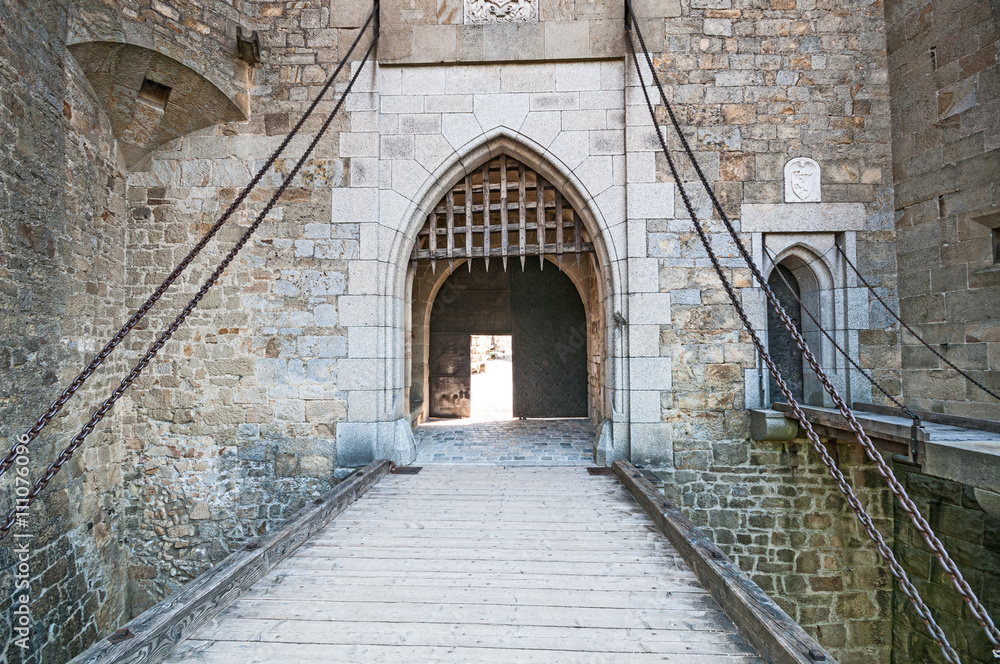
point(449, 375)
point(550, 344)
point(473, 301)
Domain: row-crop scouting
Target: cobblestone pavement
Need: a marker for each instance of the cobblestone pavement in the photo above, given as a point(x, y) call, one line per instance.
point(557, 442)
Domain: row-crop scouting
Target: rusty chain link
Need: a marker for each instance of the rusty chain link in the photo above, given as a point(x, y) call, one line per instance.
point(141, 312)
point(155, 347)
point(975, 607)
point(910, 330)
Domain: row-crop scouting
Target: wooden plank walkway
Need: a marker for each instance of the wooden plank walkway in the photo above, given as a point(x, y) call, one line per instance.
point(466, 564)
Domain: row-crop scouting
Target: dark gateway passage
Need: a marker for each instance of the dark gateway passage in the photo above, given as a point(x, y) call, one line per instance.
point(540, 309)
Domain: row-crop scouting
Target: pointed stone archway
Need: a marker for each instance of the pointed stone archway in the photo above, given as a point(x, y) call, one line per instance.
point(508, 213)
point(379, 307)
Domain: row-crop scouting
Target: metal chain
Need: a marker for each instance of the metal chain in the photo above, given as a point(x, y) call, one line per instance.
point(151, 352)
point(932, 541)
point(910, 330)
point(141, 312)
point(843, 352)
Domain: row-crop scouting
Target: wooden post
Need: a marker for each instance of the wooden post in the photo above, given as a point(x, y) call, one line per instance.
point(432, 244)
point(559, 228)
point(503, 210)
point(540, 218)
point(468, 221)
point(577, 236)
point(449, 216)
point(486, 215)
point(522, 214)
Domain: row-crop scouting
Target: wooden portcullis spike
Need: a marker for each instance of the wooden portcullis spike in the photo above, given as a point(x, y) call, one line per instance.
point(432, 242)
point(450, 218)
point(540, 230)
point(577, 236)
point(559, 228)
point(522, 214)
point(504, 240)
point(468, 221)
point(486, 215)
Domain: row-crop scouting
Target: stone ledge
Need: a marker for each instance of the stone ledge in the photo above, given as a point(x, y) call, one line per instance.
point(801, 217)
point(949, 451)
point(771, 425)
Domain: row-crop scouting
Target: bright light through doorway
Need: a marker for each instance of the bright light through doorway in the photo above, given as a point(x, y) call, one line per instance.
point(492, 379)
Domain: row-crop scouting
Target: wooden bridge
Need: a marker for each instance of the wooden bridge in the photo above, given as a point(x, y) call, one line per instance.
point(473, 564)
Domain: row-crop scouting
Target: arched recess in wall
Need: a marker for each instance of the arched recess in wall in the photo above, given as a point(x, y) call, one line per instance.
point(150, 98)
point(589, 275)
point(811, 279)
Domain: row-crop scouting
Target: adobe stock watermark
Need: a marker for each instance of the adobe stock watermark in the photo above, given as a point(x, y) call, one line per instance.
point(21, 609)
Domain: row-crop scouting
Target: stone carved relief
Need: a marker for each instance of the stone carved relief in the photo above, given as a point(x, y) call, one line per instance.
point(802, 181)
point(501, 11)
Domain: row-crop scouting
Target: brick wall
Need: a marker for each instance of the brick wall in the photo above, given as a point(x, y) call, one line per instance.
point(945, 84)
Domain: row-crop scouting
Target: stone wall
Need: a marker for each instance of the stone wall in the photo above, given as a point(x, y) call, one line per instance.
point(234, 423)
point(777, 512)
point(63, 226)
point(945, 84)
point(757, 86)
point(972, 537)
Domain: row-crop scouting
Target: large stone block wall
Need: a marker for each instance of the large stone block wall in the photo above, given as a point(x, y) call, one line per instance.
point(63, 226)
point(972, 537)
point(945, 84)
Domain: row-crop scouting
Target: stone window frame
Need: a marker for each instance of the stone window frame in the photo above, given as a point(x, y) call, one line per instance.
point(831, 293)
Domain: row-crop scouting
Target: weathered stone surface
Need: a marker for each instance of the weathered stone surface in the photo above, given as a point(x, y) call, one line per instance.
point(971, 534)
point(294, 367)
point(945, 141)
point(771, 425)
point(802, 217)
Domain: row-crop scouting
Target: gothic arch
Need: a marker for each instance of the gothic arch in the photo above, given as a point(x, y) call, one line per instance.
point(608, 296)
point(471, 157)
point(817, 291)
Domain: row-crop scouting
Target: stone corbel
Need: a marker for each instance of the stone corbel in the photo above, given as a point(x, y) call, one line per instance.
point(768, 425)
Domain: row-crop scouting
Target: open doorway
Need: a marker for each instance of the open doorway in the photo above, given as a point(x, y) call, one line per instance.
point(492, 378)
point(542, 316)
point(506, 326)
